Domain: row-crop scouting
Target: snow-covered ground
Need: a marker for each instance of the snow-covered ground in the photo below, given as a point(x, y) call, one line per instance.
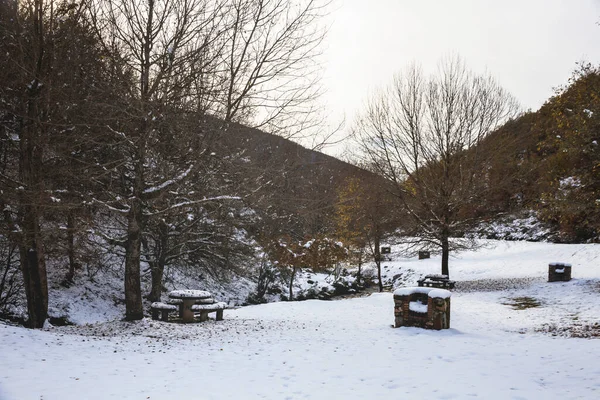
point(343, 349)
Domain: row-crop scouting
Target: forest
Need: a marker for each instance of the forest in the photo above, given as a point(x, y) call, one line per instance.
point(147, 137)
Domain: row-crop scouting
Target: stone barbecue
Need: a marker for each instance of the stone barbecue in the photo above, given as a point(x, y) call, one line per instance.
point(422, 307)
point(559, 272)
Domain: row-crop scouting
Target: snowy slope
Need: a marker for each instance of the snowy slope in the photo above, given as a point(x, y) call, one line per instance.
point(497, 259)
point(342, 349)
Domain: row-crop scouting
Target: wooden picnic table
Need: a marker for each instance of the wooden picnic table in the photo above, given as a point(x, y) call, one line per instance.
point(436, 281)
point(189, 297)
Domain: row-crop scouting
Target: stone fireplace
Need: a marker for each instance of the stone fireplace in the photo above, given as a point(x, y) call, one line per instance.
point(423, 307)
point(559, 272)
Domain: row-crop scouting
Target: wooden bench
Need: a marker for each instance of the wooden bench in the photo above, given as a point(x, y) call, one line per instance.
point(205, 309)
point(162, 308)
point(436, 281)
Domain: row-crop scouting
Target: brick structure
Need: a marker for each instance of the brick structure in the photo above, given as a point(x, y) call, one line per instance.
point(423, 307)
point(559, 272)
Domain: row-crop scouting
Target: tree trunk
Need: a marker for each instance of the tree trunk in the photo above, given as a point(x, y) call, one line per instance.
point(71, 245)
point(31, 147)
point(133, 286)
point(157, 271)
point(157, 268)
point(378, 262)
point(292, 283)
point(445, 255)
point(33, 267)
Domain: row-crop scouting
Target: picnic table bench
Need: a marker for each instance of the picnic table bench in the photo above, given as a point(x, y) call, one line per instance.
point(188, 298)
point(179, 303)
point(162, 308)
point(188, 302)
point(205, 309)
point(436, 281)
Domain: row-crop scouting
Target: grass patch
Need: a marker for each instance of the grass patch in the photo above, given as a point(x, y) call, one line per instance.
point(576, 329)
point(522, 303)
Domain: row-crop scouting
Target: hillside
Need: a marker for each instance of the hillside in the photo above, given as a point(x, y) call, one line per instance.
point(288, 179)
point(550, 158)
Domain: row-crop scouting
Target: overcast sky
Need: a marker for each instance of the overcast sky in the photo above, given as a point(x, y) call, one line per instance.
point(529, 46)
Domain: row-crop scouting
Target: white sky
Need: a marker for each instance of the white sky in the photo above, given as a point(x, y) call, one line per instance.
point(529, 46)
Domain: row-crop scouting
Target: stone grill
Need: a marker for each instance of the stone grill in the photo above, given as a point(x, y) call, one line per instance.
point(410, 310)
point(559, 272)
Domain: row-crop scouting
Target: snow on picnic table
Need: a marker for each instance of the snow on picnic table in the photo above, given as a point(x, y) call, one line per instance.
point(189, 294)
point(332, 349)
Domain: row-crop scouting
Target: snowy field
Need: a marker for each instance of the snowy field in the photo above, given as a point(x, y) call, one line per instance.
point(497, 348)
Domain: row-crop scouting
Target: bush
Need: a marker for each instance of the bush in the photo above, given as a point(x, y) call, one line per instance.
point(253, 298)
point(341, 288)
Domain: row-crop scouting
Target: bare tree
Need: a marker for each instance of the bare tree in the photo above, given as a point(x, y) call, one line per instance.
point(244, 60)
point(270, 62)
point(423, 133)
point(159, 137)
